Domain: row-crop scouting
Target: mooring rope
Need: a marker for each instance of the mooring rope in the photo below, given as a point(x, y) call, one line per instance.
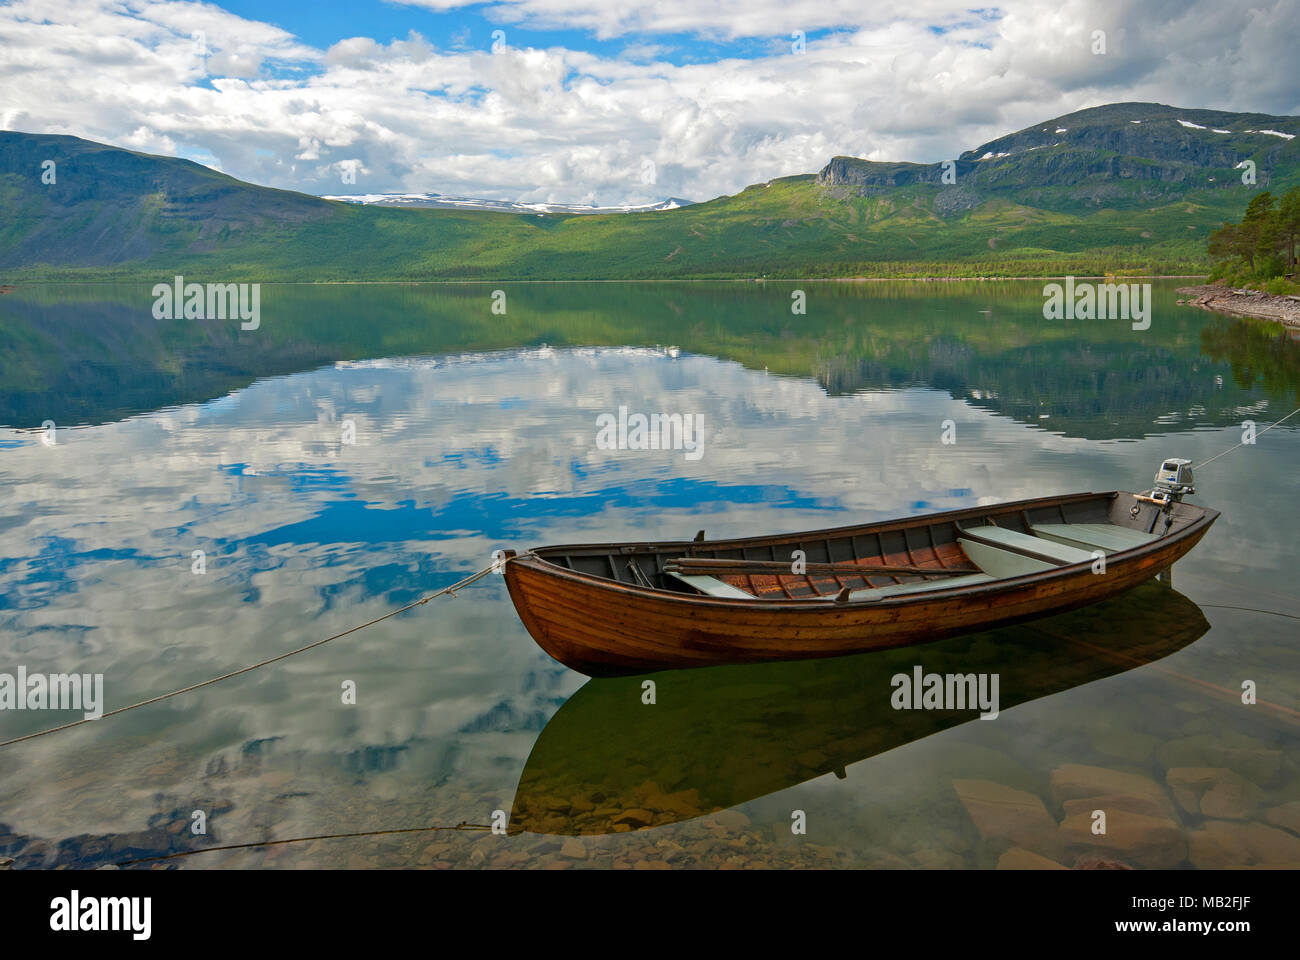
point(1117, 656)
point(1243, 443)
point(448, 590)
point(1274, 613)
point(462, 826)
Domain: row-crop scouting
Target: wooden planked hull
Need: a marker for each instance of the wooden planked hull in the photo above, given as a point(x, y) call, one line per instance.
point(602, 627)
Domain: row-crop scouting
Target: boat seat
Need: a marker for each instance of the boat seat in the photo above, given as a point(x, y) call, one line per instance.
point(1106, 537)
point(921, 586)
point(1024, 541)
point(1002, 563)
point(712, 586)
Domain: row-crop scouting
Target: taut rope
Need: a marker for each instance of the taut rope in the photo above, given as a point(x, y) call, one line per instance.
point(1243, 443)
point(448, 590)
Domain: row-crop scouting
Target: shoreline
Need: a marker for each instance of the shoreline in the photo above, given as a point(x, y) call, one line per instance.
point(1219, 298)
point(11, 285)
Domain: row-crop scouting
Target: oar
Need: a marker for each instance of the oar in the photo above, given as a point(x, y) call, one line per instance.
point(780, 568)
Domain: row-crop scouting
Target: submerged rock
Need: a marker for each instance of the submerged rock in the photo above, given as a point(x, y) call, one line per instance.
point(1221, 844)
point(730, 819)
point(682, 805)
point(1124, 791)
point(1286, 816)
point(574, 849)
point(1251, 758)
point(1214, 792)
point(1018, 858)
point(1152, 842)
point(1145, 804)
point(1003, 813)
point(1100, 863)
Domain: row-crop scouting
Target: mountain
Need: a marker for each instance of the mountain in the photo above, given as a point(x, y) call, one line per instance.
point(503, 206)
point(110, 206)
point(1124, 154)
point(1123, 187)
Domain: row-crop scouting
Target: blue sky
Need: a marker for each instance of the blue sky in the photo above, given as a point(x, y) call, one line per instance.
point(472, 27)
point(608, 101)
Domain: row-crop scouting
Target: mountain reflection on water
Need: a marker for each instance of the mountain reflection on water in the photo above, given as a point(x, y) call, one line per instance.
point(88, 354)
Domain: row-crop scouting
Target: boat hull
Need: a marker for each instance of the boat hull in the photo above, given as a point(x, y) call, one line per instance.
point(601, 627)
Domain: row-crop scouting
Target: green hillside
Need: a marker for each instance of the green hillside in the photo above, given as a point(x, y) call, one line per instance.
point(1125, 187)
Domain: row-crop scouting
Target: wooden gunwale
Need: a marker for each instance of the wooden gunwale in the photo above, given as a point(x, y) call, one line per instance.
point(875, 528)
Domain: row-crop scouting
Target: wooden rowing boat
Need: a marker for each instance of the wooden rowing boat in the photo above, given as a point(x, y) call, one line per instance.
point(720, 737)
point(625, 608)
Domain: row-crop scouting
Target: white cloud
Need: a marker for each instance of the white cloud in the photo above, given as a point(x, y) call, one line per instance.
point(561, 124)
point(720, 18)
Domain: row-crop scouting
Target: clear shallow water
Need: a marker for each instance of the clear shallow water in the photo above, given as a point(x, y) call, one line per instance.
point(475, 432)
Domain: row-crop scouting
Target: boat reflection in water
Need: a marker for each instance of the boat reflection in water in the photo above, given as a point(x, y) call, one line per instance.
point(721, 736)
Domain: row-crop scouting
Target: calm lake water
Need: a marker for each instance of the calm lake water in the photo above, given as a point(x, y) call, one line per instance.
point(367, 444)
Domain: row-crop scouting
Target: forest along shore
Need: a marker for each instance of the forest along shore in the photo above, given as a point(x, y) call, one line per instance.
point(1244, 303)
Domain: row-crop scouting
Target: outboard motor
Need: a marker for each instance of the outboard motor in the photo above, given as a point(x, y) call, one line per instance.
point(1173, 482)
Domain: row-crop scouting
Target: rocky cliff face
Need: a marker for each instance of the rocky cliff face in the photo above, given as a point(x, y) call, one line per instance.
point(847, 171)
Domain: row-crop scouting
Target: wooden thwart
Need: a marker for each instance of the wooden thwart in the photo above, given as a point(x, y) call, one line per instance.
point(779, 568)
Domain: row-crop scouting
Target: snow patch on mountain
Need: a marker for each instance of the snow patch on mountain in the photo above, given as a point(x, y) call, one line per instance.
point(438, 200)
